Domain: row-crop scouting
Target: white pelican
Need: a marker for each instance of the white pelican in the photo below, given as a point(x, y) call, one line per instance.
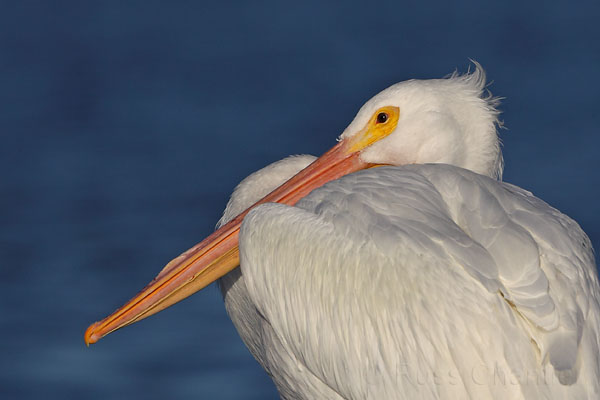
point(428, 278)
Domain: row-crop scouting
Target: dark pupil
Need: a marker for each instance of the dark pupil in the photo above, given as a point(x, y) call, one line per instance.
point(381, 118)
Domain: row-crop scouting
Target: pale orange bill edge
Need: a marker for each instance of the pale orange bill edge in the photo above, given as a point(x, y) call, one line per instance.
point(218, 253)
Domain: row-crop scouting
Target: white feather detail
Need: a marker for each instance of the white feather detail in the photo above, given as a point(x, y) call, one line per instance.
point(423, 283)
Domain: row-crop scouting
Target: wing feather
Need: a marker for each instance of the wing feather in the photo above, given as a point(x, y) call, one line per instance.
point(393, 272)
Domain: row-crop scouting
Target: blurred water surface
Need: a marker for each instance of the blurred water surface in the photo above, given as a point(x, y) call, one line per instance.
point(125, 126)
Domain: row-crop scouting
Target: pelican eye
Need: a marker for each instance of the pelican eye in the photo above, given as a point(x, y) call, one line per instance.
point(381, 123)
point(382, 118)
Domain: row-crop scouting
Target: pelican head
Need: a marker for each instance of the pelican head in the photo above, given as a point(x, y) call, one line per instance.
point(443, 121)
point(451, 120)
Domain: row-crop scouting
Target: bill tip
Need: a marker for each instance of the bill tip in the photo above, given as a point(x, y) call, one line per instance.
point(90, 335)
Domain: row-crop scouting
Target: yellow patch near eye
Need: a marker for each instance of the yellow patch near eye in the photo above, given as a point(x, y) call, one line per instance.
point(382, 123)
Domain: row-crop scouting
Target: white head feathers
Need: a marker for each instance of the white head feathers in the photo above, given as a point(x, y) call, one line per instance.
point(451, 121)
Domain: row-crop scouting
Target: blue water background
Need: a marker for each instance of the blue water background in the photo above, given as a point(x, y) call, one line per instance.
point(125, 125)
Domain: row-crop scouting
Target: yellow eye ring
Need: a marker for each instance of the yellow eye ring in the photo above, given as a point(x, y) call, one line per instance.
point(382, 123)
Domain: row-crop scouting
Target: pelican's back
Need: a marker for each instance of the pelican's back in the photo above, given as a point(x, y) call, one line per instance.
point(423, 282)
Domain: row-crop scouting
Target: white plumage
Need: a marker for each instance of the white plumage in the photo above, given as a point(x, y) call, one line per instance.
point(427, 278)
point(432, 281)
